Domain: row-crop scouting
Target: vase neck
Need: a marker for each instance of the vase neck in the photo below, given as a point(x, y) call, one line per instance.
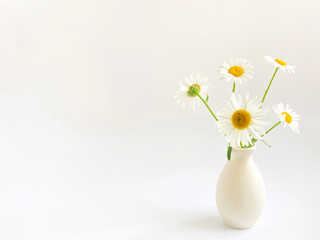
point(242, 154)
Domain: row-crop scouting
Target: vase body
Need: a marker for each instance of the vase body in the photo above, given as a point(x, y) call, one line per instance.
point(240, 193)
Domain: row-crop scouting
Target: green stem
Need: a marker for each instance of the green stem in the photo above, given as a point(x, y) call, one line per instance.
point(234, 87)
point(273, 127)
point(264, 96)
point(207, 106)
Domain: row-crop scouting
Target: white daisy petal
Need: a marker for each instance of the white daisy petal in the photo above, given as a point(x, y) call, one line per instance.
point(182, 96)
point(287, 116)
point(269, 59)
point(237, 70)
point(278, 63)
point(241, 120)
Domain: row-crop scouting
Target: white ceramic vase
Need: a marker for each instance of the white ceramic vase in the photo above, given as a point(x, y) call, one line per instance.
point(240, 193)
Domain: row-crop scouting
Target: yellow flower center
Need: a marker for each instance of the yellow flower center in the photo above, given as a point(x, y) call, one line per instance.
point(241, 119)
point(236, 71)
point(193, 90)
point(282, 63)
point(288, 117)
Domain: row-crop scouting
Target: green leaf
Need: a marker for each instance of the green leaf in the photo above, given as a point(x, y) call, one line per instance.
point(229, 153)
point(265, 143)
point(253, 141)
point(207, 98)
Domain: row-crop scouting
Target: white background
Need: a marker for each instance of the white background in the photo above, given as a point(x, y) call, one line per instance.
point(93, 145)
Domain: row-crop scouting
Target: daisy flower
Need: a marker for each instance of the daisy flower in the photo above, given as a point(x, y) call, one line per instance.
point(287, 116)
point(277, 63)
point(240, 120)
point(193, 86)
point(236, 70)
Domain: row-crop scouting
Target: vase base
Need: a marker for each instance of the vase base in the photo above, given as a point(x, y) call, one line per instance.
point(239, 227)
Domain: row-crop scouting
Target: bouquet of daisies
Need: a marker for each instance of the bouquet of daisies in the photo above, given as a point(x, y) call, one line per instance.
point(241, 120)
